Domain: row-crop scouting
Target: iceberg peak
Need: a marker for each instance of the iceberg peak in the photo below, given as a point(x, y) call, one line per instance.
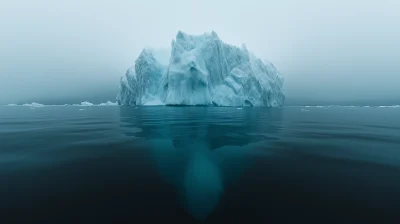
point(214, 34)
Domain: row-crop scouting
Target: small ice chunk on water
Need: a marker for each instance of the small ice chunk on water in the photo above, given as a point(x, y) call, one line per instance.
point(108, 103)
point(32, 105)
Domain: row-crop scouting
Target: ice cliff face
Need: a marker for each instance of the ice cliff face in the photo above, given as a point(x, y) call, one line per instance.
point(202, 70)
point(141, 82)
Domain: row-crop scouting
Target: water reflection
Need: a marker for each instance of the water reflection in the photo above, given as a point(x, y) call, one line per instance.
point(202, 150)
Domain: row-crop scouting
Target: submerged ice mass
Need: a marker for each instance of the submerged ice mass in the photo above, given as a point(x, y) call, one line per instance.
point(202, 70)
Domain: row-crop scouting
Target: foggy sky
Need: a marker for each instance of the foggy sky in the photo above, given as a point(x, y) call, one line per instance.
point(328, 50)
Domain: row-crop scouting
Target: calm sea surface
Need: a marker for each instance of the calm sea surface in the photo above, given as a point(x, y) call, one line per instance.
point(199, 164)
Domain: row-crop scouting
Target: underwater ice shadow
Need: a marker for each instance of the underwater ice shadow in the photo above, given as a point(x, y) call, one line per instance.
point(201, 151)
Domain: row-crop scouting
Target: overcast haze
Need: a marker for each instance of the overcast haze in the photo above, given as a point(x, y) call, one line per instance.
point(326, 50)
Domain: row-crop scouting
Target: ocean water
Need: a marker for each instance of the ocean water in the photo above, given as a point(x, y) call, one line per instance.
point(78, 164)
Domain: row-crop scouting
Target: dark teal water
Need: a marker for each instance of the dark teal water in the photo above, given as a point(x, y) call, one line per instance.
point(197, 164)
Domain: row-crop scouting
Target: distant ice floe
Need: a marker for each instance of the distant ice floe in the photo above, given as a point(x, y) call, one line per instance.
point(109, 103)
point(32, 105)
point(340, 106)
point(393, 106)
point(82, 104)
point(89, 104)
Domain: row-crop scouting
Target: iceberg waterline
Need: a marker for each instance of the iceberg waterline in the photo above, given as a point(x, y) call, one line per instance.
point(202, 70)
point(109, 103)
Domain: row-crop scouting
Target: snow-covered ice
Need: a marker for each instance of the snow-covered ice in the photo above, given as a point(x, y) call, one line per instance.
point(202, 70)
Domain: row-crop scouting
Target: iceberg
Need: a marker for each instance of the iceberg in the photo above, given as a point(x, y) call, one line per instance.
point(202, 70)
